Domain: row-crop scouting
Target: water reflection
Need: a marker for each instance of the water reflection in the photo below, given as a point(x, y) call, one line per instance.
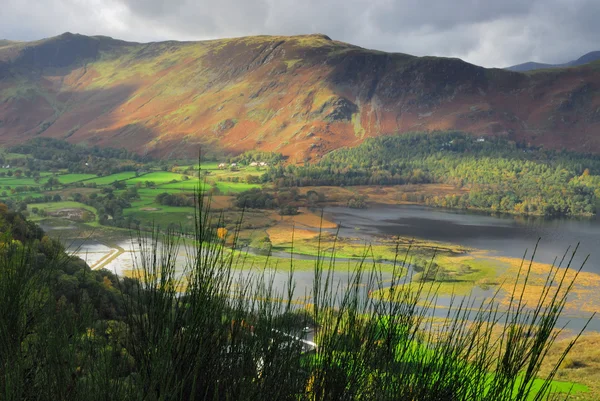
point(505, 235)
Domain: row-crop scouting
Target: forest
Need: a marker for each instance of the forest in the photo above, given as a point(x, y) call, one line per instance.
point(500, 175)
point(48, 153)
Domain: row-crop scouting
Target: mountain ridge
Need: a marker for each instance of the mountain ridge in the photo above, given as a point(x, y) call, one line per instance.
point(300, 95)
point(532, 65)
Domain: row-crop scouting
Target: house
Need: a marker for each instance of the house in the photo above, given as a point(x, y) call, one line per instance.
point(480, 139)
point(222, 166)
point(253, 164)
point(263, 164)
point(233, 165)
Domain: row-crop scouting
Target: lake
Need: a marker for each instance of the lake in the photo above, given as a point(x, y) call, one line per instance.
point(505, 235)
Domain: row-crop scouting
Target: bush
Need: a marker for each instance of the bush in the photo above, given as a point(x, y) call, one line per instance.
point(288, 210)
point(255, 199)
point(262, 245)
point(359, 202)
point(167, 199)
point(571, 363)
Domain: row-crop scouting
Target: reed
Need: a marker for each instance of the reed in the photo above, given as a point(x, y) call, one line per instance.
point(194, 328)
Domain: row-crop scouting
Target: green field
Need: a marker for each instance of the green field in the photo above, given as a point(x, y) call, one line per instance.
point(159, 177)
point(18, 196)
point(109, 179)
point(235, 187)
point(161, 215)
point(71, 178)
point(189, 185)
point(13, 181)
point(205, 166)
point(56, 206)
point(559, 387)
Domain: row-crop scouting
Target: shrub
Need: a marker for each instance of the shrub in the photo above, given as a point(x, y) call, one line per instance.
point(571, 363)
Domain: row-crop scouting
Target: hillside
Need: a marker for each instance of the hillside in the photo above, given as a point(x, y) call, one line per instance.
point(302, 96)
point(531, 65)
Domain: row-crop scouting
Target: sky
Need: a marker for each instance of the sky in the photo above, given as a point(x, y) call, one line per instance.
point(491, 33)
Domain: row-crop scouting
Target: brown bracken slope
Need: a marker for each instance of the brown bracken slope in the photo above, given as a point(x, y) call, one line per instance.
point(302, 96)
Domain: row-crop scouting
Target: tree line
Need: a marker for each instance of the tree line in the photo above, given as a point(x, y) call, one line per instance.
point(500, 175)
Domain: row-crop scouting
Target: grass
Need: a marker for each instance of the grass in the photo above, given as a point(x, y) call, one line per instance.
point(189, 185)
point(109, 179)
point(244, 260)
point(581, 366)
point(234, 187)
point(14, 181)
point(150, 193)
point(158, 178)
point(57, 206)
point(359, 130)
point(71, 178)
point(19, 195)
point(291, 63)
point(384, 249)
point(480, 272)
point(161, 215)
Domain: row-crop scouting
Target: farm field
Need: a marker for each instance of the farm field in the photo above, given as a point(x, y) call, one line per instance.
point(126, 197)
point(158, 178)
point(109, 179)
point(71, 178)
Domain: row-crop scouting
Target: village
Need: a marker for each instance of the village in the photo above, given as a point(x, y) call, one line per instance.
point(223, 166)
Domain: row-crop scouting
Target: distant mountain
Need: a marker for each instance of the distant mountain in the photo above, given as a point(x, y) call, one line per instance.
point(302, 96)
point(530, 66)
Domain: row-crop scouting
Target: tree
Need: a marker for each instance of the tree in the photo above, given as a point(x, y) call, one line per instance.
point(252, 179)
point(262, 245)
point(313, 197)
point(119, 185)
point(51, 183)
point(288, 210)
point(221, 232)
point(359, 202)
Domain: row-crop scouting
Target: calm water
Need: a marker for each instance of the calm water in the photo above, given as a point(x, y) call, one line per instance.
point(505, 235)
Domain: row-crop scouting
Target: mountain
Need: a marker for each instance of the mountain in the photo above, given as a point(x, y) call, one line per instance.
point(530, 66)
point(301, 95)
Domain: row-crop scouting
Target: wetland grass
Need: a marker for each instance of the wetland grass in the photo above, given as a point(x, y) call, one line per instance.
point(211, 334)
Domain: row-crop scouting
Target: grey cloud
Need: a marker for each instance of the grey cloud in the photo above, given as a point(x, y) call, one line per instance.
point(442, 15)
point(485, 32)
point(203, 17)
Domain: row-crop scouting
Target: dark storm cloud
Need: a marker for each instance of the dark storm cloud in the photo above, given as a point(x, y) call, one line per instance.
point(486, 32)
